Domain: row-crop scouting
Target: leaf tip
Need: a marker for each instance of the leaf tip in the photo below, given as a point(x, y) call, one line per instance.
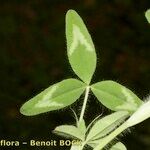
point(25, 111)
point(71, 14)
point(147, 15)
point(71, 11)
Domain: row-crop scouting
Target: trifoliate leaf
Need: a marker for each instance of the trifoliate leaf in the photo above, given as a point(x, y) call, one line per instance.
point(80, 48)
point(104, 126)
point(55, 97)
point(115, 96)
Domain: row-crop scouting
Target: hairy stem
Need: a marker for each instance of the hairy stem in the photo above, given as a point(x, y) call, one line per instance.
point(103, 142)
point(84, 103)
point(81, 117)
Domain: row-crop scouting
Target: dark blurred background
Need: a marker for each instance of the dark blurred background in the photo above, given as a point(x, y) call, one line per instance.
point(33, 56)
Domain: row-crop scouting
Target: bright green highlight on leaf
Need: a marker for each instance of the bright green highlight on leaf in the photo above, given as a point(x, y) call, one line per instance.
point(80, 48)
point(147, 15)
point(55, 97)
point(118, 146)
point(115, 96)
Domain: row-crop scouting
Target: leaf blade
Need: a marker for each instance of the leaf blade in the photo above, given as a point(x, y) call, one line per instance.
point(147, 15)
point(80, 48)
point(118, 146)
point(105, 125)
point(115, 96)
point(54, 97)
point(142, 113)
point(69, 130)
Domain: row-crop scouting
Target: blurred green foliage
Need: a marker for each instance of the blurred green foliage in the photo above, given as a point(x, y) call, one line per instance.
point(33, 56)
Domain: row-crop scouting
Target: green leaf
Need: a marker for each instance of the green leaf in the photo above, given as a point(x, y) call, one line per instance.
point(147, 15)
point(93, 145)
point(55, 97)
point(107, 139)
point(118, 146)
point(69, 131)
point(142, 113)
point(105, 125)
point(115, 96)
point(80, 48)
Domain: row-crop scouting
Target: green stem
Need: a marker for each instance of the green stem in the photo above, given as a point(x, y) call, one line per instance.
point(103, 142)
point(81, 116)
point(84, 103)
point(83, 144)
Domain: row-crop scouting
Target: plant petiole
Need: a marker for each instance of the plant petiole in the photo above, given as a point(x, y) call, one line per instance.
point(84, 103)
